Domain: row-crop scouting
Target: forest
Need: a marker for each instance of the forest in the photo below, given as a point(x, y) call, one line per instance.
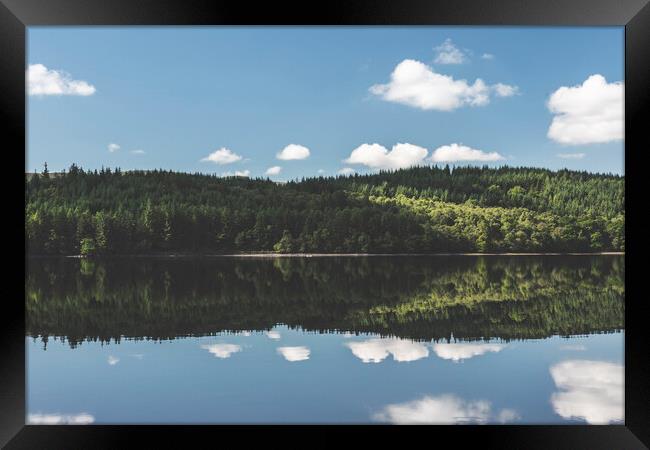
point(415, 297)
point(416, 210)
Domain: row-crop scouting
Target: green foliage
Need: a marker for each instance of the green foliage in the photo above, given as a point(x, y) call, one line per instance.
point(418, 210)
point(415, 297)
point(285, 244)
point(88, 247)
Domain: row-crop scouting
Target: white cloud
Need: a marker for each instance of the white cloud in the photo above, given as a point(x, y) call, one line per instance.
point(505, 90)
point(113, 147)
point(222, 350)
point(60, 419)
point(448, 53)
point(415, 84)
point(376, 350)
point(222, 156)
point(487, 56)
point(346, 171)
point(377, 156)
point(571, 155)
point(458, 152)
point(294, 353)
point(44, 81)
point(458, 352)
point(402, 156)
point(293, 151)
point(237, 173)
point(275, 335)
point(112, 360)
point(590, 390)
point(138, 152)
point(507, 415)
point(321, 171)
point(589, 113)
point(275, 170)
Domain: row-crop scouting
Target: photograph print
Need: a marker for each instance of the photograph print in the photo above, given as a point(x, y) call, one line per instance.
point(325, 225)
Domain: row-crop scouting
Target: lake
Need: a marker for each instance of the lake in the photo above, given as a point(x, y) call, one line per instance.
point(380, 339)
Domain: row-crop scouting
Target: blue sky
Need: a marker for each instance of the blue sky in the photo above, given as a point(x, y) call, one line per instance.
point(170, 97)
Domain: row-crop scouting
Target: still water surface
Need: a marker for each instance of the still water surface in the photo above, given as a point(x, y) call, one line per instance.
point(449, 340)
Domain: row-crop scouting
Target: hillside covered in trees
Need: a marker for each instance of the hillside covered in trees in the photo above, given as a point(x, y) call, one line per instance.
point(414, 297)
point(417, 210)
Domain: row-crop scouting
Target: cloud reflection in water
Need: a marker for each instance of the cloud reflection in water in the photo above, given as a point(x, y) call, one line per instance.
point(592, 391)
point(293, 354)
point(446, 409)
point(376, 350)
point(60, 419)
point(459, 351)
point(222, 350)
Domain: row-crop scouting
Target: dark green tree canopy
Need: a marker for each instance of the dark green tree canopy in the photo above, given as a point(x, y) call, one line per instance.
point(417, 210)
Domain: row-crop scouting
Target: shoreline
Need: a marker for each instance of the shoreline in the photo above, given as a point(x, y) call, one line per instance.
point(322, 255)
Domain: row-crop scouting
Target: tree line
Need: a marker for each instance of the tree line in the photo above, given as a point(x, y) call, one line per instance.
point(417, 297)
point(417, 210)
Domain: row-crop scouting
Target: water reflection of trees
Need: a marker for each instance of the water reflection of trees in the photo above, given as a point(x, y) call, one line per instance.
point(412, 297)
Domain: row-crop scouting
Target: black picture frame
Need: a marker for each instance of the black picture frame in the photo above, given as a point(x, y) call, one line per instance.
point(634, 15)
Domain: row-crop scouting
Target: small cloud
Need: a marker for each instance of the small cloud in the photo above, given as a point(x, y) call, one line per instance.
point(377, 156)
point(293, 151)
point(505, 90)
point(138, 355)
point(275, 170)
point(138, 152)
point(589, 113)
point(44, 81)
point(60, 419)
point(458, 152)
point(571, 155)
point(222, 156)
point(275, 335)
point(448, 53)
point(321, 171)
point(222, 351)
point(376, 350)
point(488, 56)
point(592, 391)
point(459, 352)
point(113, 147)
point(406, 155)
point(237, 173)
point(346, 171)
point(293, 354)
point(112, 360)
point(415, 84)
